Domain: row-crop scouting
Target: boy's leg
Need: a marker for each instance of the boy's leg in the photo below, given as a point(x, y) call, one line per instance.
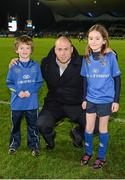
point(32, 134)
point(15, 138)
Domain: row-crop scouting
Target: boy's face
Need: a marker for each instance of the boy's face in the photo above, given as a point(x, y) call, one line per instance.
point(24, 51)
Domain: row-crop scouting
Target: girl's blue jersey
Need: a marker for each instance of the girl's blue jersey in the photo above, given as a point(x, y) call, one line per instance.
point(25, 76)
point(100, 74)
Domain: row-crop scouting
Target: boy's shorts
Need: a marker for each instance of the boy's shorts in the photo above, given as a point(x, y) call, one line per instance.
point(100, 109)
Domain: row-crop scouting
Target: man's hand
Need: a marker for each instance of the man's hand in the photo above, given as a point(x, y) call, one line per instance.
point(107, 50)
point(12, 62)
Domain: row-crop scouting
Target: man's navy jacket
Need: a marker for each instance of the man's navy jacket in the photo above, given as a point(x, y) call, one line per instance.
point(66, 89)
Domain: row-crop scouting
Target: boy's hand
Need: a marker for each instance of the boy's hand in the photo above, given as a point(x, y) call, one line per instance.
point(84, 103)
point(27, 94)
point(115, 107)
point(12, 62)
point(24, 94)
point(21, 94)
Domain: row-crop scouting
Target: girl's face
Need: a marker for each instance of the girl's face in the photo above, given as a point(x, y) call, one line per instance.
point(95, 41)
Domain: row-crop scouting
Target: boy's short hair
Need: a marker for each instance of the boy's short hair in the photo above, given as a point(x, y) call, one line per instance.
point(23, 39)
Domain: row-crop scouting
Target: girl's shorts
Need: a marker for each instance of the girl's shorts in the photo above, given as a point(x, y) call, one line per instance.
point(100, 109)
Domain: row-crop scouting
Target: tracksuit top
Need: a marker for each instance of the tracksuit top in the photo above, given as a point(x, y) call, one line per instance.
point(100, 74)
point(25, 76)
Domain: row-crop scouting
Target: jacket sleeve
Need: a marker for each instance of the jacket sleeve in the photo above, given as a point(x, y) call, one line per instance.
point(44, 67)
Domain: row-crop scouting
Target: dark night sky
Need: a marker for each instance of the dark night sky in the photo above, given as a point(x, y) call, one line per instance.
point(40, 14)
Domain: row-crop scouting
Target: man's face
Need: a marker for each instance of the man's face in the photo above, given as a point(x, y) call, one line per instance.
point(63, 50)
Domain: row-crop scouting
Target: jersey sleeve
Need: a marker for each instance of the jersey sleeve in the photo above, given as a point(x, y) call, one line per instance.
point(38, 81)
point(114, 65)
point(10, 80)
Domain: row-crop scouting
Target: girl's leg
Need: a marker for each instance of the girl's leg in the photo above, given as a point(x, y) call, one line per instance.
point(90, 124)
point(103, 129)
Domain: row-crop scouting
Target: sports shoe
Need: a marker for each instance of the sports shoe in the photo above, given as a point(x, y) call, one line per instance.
point(50, 146)
point(12, 151)
point(85, 159)
point(98, 163)
point(50, 143)
point(35, 152)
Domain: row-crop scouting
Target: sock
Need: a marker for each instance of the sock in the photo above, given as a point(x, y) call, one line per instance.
point(103, 145)
point(88, 143)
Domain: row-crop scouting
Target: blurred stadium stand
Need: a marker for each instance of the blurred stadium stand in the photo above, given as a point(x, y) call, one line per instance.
point(73, 17)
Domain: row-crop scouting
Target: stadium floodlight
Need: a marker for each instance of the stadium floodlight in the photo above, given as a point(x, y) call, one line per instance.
point(29, 9)
point(12, 24)
point(29, 25)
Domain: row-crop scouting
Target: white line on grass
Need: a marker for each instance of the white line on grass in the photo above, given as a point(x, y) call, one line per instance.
point(4, 102)
point(119, 120)
point(115, 119)
point(8, 103)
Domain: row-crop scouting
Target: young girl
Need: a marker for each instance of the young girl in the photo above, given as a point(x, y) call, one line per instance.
point(101, 76)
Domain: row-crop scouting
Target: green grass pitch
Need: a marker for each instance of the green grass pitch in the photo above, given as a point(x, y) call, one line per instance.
point(64, 161)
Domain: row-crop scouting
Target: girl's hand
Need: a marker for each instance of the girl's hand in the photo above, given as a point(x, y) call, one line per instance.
point(115, 107)
point(84, 105)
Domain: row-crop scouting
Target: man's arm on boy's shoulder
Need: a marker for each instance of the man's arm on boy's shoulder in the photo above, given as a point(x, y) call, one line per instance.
point(13, 62)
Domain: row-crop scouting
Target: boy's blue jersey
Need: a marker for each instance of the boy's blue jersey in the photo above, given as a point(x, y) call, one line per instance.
point(25, 76)
point(100, 74)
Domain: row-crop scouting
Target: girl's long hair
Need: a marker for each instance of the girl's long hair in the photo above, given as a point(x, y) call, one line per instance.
point(102, 30)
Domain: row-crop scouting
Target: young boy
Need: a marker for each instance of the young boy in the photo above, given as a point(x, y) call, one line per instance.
point(24, 79)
